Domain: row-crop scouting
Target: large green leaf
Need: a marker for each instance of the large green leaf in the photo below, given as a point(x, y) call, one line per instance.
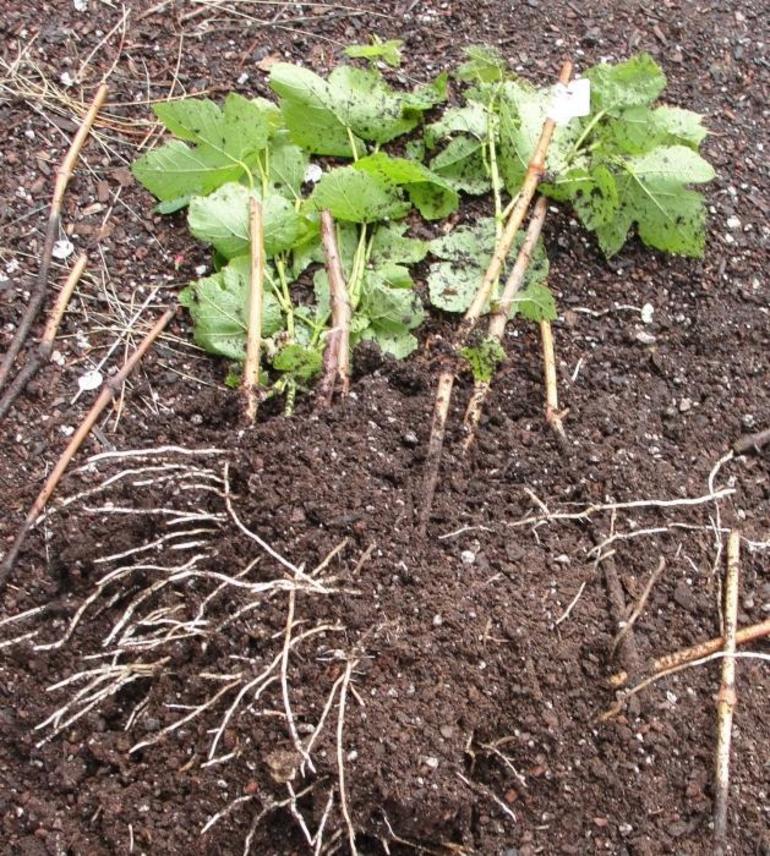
point(461, 164)
point(389, 51)
point(469, 119)
point(225, 147)
point(430, 193)
point(218, 305)
point(634, 83)
point(652, 195)
point(636, 130)
point(465, 254)
point(308, 111)
point(222, 219)
point(390, 245)
point(523, 111)
point(287, 164)
point(354, 195)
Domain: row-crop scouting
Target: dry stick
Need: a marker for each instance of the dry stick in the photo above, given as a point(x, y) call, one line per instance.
point(45, 348)
point(626, 628)
point(535, 171)
point(109, 390)
point(63, 175)
point(553, 416)
point(751, 442)
point(337, 353)
point(250, 379)
point(697, 652)
point(499, 318)
point(727, 697)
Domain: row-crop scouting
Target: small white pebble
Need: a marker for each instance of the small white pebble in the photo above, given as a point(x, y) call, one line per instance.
point(468, 557)
point(647, 313)
point(90, 380)
point(67, 430)
point(313, 173)
point(66, 79)
point(57, 357)
point(201, 269)
point(243, 78)
point(62, 249)
point(431, 762)
point(733, 222)
point(437, 620)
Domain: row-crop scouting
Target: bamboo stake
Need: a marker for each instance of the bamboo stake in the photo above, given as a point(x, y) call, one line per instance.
point(697, 652)
point(499, 318)
point(110, 389)
point(45, 346)
point(535, 171)
point(727, 697)
point(63, 175)
point(250, 379)
point(553, 416)
point(337, 353)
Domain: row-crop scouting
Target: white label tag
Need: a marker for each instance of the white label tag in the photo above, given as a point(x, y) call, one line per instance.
point(570, 100)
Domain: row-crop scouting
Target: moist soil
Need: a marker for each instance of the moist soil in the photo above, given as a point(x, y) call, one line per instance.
point(478, 656)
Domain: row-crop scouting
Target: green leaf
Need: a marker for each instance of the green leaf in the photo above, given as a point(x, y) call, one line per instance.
point(652, 195)
point(222, 219)
point(389, 309)
point(470, 119)
point(428, 95)
point(301, 363)
point(523, 111)
point(634, 83)
point(218, 306)
point(461, 164)
point(226, 146)
point(430, 193)
point(389, 51)
point(307, 107)
point(389, 244)
point(536, 303)
point(354, 195)
point(485, 64)
point(680, 126)
point(364, 102)
point(287, 164)
point(594, 194)
point(465, 254)
point(637, 130)
point(399, 344)
point(484, 358)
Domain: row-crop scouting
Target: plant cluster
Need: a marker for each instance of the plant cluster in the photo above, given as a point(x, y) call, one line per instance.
point(358, 147)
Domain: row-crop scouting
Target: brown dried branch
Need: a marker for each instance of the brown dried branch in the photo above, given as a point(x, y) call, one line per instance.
point(250, 379)
point(499, 318)
point(45, 347)
point(727, 696)
point(63, 175)
point(337, 353)
point(111, 388)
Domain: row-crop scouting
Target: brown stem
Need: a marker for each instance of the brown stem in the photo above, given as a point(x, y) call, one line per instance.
point(337, 353)
point(63, 175)
point(109, 390)
point(535, 172)
point(553, 416)
point(250, 379)
point(751, 442)
point(499, 317)
point(45, 346)
point(727, 697)
point(697, 652)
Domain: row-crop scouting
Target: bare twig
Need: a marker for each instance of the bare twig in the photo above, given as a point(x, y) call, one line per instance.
point(553, 416)
point(751, 442)
point(627, 625)
point(697, 652)
point(45, 348)
point(727, 696)
point(111, 388)
point(499, 318)
point(535, 171)
point(63, 175)
point(250, 380)
point(341, 757)
point(337, 353)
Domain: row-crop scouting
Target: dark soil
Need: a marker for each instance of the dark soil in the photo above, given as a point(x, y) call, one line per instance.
point(472, 720)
